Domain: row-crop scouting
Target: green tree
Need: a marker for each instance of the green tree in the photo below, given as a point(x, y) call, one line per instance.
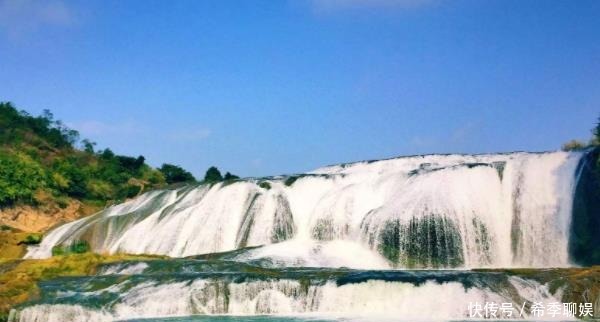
point(88, 146)
point(20, 177)
point(174, 174)
point(229, 176)
point(213, 175)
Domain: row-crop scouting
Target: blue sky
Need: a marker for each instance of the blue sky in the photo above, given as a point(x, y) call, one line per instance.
point(270, 87)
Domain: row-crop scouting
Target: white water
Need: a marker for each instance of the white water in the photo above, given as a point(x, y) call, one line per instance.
point(374, 298)
point(511, 210)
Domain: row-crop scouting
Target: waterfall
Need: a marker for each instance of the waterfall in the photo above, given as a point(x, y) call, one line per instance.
point(431, 211)
point(416, 295)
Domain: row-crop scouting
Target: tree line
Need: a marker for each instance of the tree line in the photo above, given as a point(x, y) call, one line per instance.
point(44, 161)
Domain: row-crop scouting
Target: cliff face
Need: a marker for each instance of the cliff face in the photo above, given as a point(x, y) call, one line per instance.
point(40, 219)
point(19, 222)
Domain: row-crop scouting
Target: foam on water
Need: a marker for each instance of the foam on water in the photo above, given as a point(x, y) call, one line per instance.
point(428, 300)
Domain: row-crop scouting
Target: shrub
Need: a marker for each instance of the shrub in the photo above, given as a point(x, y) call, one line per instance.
point(78, 247)
point(99, 189)
point(128, 191)
point(229, 176)
point(213, 175)
point(174, 174)
point(32, 239)
point(62, 202)
point(20, 177)
point(265, 185)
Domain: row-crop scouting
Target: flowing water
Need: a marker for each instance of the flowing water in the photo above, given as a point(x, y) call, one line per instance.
point(341, 242)
point(192, 287)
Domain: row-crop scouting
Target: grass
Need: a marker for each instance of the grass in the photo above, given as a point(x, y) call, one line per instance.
point(11, 244)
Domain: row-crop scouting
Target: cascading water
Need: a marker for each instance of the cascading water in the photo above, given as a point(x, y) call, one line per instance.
point(287, 243)
point(197, 287)
point(433, 211)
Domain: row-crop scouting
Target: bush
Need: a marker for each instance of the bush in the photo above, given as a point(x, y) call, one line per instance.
point(62, 202)
point(99, 189)
point(213, 175)
point(129, 191)
point(32, 239)
point(20, 177)
point(174, 174)
point(229, 176)
point(131, 164)
point(265, 185)
point(78, 247)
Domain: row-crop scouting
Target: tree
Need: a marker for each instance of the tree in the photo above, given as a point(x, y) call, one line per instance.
point(107, 154)
point(229, 176)
point(20, 177)
point(174, 174)
point(213, 175)
point(88, 146)
point(130, 163)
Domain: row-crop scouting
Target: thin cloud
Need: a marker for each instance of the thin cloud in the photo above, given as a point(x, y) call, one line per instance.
point(337, 5)
point(190, 134)
point(421, 142)
point(19, 17)
point(464, 133)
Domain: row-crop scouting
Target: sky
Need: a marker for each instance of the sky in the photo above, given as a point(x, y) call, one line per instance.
point(275, 87)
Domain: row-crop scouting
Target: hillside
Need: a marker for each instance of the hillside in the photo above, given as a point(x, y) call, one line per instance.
point(48, 175)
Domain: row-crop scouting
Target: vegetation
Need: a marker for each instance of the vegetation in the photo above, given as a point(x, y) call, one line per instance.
point(575, 145)
point(174, 174)
point(41, 157)
point(11, 244)
point(228, 176)
point(214, 175)
point(20, 178)
point(31, 239)
point(78, 247)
